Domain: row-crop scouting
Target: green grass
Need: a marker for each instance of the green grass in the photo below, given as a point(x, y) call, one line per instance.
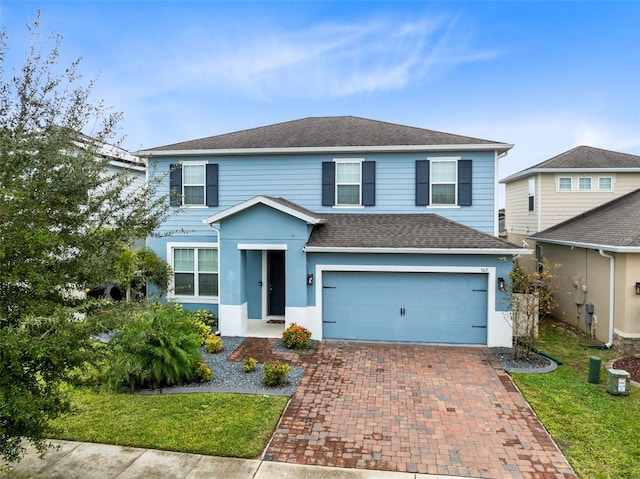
point(598, 433)
point(234, 425)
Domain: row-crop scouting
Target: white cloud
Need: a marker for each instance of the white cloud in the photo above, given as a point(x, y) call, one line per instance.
point(325, 60)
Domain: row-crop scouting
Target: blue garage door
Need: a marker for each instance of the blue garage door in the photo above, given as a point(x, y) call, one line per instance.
point(415, 307)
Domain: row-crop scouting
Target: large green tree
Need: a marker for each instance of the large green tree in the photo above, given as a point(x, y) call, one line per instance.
point(64, 217)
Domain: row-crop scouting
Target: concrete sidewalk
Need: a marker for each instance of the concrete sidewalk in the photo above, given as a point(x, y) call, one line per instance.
point(79, 460)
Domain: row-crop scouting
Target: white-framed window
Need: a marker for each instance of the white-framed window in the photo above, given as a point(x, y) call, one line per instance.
point(195, 270)
point(584, 183)
point(565, 183)
point(193, 183)
point(531, 194)
point(605, 183)
point(348, 183)
point(444, 182)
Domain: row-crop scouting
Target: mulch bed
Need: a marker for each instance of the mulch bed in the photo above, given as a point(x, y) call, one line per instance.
point(629, 364)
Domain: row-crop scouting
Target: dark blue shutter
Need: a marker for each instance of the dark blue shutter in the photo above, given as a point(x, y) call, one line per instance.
point(175, 185)
point(464, 183)
point(328, 183)
point(369, 183)
point(422, 182)
point(212, 185)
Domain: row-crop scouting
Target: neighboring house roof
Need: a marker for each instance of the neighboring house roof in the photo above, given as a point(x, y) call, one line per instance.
point(396, 232)
point(582, 158)
point(332, 132)
point(614, 226)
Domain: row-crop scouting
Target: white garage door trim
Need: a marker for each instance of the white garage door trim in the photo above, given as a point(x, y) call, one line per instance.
point(496, 332)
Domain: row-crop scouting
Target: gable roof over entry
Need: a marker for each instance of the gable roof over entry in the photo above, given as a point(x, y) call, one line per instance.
point(342, 133)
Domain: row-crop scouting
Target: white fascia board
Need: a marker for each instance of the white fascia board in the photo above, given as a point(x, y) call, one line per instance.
point(502, 147)
point(573, 171)
point(594, 246)
point(265, 201)
point(465, 251)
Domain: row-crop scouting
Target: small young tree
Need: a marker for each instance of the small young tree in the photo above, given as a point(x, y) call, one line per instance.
point(136, 268)
point(531, 297)
point(63, 219)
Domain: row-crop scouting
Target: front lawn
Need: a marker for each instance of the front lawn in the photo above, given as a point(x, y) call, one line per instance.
point(598, 433)
point(234, 425)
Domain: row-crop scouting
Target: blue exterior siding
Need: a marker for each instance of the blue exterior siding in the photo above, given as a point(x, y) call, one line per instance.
point(503, 266)
point(298, 179)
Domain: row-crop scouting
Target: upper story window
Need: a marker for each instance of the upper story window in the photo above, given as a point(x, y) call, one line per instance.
point(195, 270)
point(349, 183)
point(194, 184)
point(584, 183)
point(531, 188)
point(605, 183)
point(443, 182)
point(565, 184)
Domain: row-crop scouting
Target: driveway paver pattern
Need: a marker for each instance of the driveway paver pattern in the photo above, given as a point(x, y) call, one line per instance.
point(410, 408)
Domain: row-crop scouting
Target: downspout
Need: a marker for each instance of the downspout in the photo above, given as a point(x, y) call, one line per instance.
point(612, 271)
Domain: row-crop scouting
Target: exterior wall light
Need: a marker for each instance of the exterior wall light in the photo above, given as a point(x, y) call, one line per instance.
point(501, 284)
point(310, 278)
point(637, 288)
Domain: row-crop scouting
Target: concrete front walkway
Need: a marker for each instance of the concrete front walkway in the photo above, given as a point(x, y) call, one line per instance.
point(414, 408)
point(77, 460)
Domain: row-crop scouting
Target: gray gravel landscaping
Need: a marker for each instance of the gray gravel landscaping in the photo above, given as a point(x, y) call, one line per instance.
point(535, 363)
point(229, 376)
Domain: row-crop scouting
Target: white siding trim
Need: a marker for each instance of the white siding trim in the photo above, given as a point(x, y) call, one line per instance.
point(262, 246)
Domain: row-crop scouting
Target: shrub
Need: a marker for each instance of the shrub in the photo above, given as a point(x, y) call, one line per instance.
point(296, 337)
point(213, 344)
point(203, 329)
point(201, 372)
point(208, 318)
point(275, 373)
point(157, 347)
point(249, 365)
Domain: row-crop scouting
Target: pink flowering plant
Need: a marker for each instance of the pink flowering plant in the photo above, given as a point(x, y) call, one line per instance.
point(296, 337)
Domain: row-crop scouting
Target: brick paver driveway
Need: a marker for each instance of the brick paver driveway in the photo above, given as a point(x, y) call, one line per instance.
point(414, 408)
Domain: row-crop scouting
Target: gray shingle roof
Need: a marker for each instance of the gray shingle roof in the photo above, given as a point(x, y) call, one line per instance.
point(400, 231)
point(616, 223)
point(330, 131)
point(583, 158)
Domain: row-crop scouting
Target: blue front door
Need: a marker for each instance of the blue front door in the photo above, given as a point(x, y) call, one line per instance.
point(276, 283)
point(415, 307)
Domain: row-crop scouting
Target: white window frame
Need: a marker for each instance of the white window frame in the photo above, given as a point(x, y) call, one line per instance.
point(560, 178)
point(171, 295)
point(203, 164)
point(610, 178)
point(531, 193)
point(580, 188)
point(343, 161)
point(443, 159)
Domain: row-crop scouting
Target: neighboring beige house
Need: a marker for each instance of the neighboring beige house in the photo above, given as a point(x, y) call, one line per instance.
point(564, 186)
point(599, 254)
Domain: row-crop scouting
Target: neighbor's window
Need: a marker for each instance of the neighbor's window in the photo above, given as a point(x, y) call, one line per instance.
point(564, 184)
point(195, 271)
point(605, 183)
point(531, 187)
point(193, 184)
point(443, 176)
point(348, 183)
point(584, 183)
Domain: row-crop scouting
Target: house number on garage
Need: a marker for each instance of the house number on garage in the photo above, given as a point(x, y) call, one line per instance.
point(484, 270)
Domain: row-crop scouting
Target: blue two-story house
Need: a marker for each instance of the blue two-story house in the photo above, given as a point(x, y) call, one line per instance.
point(354, 228)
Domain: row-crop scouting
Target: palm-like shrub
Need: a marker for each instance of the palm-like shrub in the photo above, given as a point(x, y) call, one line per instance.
point(157, 348)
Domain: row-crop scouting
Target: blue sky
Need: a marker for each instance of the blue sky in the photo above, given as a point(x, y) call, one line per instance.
point(545, 76)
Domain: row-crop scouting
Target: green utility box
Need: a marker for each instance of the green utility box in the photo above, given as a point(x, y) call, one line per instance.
point(594, 369)
point(618, 382)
